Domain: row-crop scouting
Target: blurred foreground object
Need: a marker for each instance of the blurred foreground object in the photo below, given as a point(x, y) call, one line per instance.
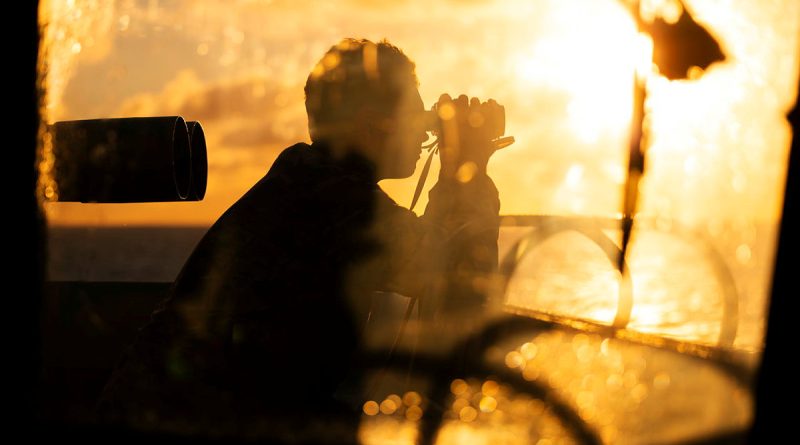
point(680, 46)
point(139, 159)
point(676, 48)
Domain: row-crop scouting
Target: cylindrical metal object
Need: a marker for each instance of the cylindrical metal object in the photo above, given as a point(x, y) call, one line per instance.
point(197, 142)
point(138, 159)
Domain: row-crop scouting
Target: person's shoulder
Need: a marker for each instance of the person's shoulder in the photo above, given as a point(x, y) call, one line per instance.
point(298, 151)
point(279, 177)
point(290, 158)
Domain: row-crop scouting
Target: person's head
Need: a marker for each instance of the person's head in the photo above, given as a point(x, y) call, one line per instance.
point(363, 96)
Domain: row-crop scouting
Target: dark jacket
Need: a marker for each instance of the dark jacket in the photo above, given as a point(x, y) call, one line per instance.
point(268, 310)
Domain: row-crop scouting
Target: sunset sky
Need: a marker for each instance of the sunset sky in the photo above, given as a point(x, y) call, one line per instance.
point(563, 70)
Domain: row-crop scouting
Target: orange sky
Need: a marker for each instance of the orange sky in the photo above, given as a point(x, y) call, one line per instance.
point(561, 67)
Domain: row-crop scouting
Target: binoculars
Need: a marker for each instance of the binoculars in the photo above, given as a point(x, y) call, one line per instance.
point(138, 159)
point(491, 116)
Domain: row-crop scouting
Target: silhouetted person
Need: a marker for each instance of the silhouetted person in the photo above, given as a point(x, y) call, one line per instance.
point(264, 320)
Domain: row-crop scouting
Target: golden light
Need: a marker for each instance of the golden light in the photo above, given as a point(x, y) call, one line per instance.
point(710, 199)
point(490, 388)
point(388, 407)
point(412, 398)
point(488, 404)
point(458, 387)
point(413, 413)
point(467, 414)
point(594, 66)
point(371, 408)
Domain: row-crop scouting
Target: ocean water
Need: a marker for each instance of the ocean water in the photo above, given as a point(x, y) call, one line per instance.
point(119, 253)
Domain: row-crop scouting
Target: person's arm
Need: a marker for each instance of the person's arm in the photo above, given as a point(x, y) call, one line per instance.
point(448, 256)
point(465, 201)
point(467, 217)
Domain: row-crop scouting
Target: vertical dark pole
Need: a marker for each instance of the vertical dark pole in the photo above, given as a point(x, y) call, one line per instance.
point(37, 223)
point(24, 236)
point(635, 166)
point(635, 172)
point(776, 415)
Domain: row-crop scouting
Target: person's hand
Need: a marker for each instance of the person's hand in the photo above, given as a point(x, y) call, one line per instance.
point(468, 127)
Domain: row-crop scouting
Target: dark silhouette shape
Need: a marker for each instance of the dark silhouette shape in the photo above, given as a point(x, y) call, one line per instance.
point(676, 48)
point(135, 159)
point(680, 46)
point(264, 321)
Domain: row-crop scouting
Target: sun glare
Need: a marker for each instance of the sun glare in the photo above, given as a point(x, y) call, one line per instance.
point(595, 67)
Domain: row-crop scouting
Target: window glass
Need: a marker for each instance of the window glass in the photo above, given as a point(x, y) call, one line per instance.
point(663, 354)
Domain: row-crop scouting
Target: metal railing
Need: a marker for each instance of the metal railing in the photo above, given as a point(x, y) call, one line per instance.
point(545, 227)
point(467, 356)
